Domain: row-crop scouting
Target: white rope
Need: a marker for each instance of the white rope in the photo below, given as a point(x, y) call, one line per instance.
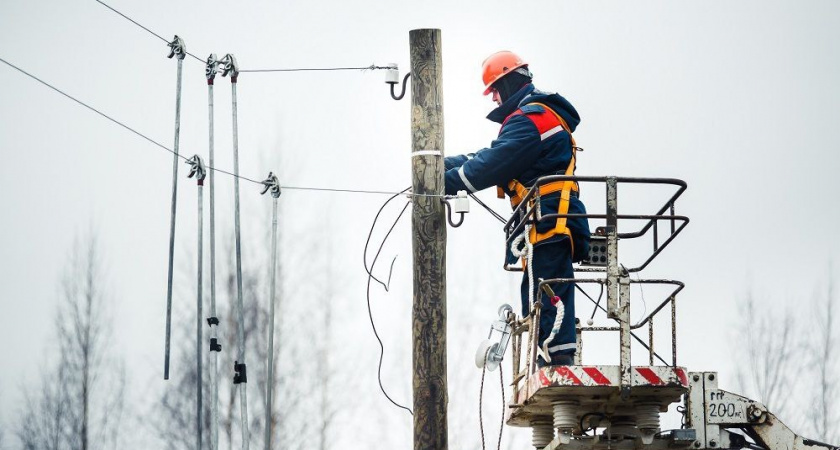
point(527, 253)
point(561, 311)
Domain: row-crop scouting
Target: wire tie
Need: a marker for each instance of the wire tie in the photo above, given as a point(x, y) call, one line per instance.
point(426, 153)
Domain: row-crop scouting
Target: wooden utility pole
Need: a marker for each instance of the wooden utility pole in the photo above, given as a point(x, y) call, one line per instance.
point(428, 241)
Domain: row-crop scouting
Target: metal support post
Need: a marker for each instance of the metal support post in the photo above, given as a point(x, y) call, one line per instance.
point(199, 172)
point(612, 248)
point(624, 332)
point(429, 242)
point(579, 345)
point(229, 67)
point(215, 347)
point(178, 49)
point(650, 340)
point(271, 184)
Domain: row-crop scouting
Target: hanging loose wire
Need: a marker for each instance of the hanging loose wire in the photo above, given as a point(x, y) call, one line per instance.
point(371, 277)
point(481, 401)
point(177, 49)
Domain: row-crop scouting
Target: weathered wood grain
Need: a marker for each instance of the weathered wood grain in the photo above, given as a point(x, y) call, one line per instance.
point(429, 243)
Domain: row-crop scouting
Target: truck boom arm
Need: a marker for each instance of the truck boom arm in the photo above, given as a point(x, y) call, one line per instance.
point(711, 411)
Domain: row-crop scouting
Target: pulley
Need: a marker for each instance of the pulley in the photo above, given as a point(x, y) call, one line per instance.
point(491, 351)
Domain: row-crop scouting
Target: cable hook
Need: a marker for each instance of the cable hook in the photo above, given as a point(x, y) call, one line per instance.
point(461, 206)
point(392, 77)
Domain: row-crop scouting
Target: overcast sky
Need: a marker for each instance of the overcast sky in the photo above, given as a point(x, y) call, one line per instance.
point(739, 99)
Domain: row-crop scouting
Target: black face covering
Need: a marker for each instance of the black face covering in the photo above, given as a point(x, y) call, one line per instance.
point(510, 84)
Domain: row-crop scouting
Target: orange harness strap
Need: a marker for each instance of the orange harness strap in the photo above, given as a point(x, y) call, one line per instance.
point(518, 190)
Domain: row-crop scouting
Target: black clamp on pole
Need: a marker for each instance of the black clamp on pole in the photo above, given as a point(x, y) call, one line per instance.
point(240, 374)
point(211, 68)
point(271, 184)
point(177, 48)
point(197, 169)
point(214, 343)
point(229, 67)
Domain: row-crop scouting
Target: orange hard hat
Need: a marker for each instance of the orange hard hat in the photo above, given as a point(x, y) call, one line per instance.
point(498, 65)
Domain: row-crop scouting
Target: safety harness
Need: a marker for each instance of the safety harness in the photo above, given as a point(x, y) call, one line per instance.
point(548, 123)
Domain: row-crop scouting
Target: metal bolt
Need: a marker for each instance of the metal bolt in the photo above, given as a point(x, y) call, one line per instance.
point(713, 443)
point(696, 378)
point(711, 377)
point(697, 444)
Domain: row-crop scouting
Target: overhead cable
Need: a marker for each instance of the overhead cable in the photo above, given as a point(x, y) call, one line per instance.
point(143, 27)
point(209, 167)
point(305, 69)
point(319, 69)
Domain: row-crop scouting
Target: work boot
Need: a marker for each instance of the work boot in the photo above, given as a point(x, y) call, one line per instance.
point(556, 360)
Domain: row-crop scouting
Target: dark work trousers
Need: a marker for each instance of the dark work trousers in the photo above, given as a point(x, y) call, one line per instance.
point(553, 260)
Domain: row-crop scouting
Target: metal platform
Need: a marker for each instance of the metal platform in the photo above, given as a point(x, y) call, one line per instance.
point(597, 389)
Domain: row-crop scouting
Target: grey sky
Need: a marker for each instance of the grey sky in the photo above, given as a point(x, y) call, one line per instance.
point(737, 98)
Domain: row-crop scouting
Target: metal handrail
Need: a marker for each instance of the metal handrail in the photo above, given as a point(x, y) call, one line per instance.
point(528, 208)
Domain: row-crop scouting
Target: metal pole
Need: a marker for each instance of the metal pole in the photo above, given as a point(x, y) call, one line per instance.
point(270, 380)
point(612, 248)
point(240, 377)
point(214, 333)
point(429, 242)
point(199, 318)
point(178, 49)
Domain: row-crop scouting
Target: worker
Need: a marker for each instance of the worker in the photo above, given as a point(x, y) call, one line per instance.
point(535, 140)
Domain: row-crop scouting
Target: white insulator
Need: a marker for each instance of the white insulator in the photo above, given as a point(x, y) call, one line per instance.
point(647, 416)
point(565, 415)
point(542, 433)
point(623, 426)
point(392, 75)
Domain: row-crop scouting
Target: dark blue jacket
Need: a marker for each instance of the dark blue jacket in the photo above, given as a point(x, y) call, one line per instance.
point(519, 153)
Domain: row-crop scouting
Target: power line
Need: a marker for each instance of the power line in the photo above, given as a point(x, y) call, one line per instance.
point(158, 144)
point(316, 69)
point(143, 27)
point(308, 69)
point(91, 108)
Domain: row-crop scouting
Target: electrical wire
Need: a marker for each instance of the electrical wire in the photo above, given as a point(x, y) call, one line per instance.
point(318, 69)
point(307, 69)
point(143, 27)
point(91, 108)
point(370, 311)
point(164, 147)
point(369, 270)
point(632, 334)
point(489, 209)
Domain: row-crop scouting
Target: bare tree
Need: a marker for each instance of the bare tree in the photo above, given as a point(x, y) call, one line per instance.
point(80, 402)
point(44, 421)
point(324, 372)
point(768, 347)
point(823, 349)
